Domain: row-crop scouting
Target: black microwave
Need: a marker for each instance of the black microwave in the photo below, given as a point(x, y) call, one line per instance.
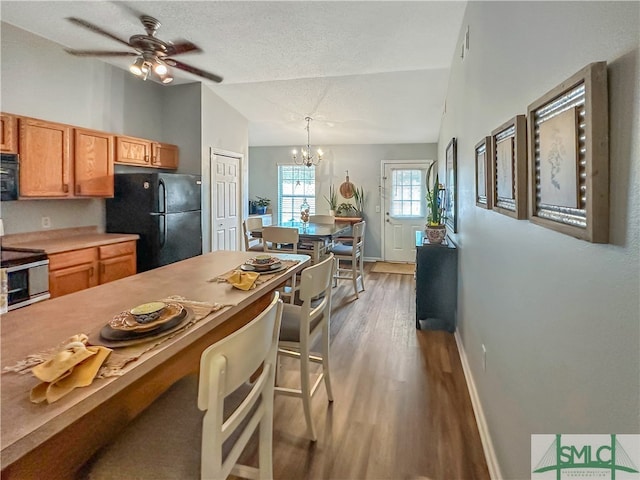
point(9, 176)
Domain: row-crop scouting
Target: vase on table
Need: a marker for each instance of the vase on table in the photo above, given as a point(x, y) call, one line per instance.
point(436, 233)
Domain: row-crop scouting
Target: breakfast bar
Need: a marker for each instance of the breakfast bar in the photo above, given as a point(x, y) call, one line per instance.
point(55, 440)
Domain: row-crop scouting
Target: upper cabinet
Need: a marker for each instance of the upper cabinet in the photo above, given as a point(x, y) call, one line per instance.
point(62, 161)
point(8, 133)
point(133, 151)
point(164, 155)
point(146, 153)
point(44, 159)
point(59, 161)
point(93, 155)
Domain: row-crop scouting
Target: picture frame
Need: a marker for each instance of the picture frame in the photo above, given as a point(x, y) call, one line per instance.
point(569, 156)
point(451, 186)
point(509, 168)
point(482, 155)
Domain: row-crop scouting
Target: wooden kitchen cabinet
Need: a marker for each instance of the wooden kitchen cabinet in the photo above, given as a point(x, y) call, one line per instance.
point(77, 270)
point(117, 261)
point(164, 155)
point(133, 151)
point(146, 153)
point(73, 271)
point(8, 133)
point(93, 163)
point(45, 159)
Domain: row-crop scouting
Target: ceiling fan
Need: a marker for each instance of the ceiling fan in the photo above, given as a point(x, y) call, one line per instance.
point(153, 55)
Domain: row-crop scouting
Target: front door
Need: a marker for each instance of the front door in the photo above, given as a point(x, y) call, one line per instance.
point(404, 208)
point(225, 222)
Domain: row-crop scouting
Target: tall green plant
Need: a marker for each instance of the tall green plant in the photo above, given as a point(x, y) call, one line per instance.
point(358, 197)
point(332, 199)
point(434, 209)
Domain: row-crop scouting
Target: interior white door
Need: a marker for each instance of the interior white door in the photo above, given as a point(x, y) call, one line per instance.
point(404, 208)
point(225, 222)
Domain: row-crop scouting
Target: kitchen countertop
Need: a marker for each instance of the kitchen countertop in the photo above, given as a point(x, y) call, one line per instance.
point(65, 239)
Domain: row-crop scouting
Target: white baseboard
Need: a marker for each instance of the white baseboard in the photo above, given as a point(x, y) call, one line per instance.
point(483, 429)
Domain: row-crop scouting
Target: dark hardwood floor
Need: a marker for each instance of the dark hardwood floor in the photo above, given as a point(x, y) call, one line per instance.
point(401, 407)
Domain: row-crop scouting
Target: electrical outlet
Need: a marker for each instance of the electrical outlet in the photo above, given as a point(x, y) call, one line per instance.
point(484, 358)
point(46, 222)
point(377, 208)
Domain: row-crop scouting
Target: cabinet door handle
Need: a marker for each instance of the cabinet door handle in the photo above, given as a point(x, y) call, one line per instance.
point(65, 188)
point(146, 158)
point(91, 272)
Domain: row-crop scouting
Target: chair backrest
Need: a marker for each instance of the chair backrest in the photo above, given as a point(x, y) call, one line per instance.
point(315, 282)
point(358, 230)
point(322, 219)
point(250, 224)
point(278, 239)
point(226, 365)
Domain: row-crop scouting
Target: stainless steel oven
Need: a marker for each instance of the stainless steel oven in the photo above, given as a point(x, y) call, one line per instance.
point(27, 277)
point(9, 177)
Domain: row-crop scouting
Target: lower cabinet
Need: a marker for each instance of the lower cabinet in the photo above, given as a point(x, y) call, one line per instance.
point(84, 268)
point(72, 271)
point(117, 261)
point(436, 287)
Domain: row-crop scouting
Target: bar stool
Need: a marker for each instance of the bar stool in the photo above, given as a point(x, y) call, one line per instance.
point(351, 253)
point(304, 324)
point(172, 439)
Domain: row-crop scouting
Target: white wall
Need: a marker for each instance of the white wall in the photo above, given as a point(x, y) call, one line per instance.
point(363, 164)
point(223, 128)
point(559, 316)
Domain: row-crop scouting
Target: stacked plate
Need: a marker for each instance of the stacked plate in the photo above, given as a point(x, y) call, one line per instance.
point(262, 264)
point(145, 320)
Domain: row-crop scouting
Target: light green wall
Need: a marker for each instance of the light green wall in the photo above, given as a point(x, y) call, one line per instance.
point(559, 317)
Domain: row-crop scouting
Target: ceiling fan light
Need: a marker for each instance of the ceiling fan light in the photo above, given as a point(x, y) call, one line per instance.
point(137, 67)
point(166, 79)
point(160, 69)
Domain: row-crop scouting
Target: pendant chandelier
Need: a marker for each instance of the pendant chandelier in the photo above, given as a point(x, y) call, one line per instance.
point(307, 159)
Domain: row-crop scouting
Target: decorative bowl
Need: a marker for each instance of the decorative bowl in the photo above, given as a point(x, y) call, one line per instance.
point(148, 312)
point(263, 259)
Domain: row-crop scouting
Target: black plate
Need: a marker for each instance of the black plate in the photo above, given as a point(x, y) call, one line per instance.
point(109, 333)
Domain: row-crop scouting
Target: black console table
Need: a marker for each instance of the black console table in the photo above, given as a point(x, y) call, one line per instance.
point(436, 285)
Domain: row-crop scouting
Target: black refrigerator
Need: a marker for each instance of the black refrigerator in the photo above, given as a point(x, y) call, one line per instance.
point(164, 209)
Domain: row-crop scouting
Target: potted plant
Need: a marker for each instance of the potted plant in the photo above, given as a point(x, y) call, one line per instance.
point(332, 200)
point(345, 210)
point(358, 196)
point(435, 228)
point(261, 205)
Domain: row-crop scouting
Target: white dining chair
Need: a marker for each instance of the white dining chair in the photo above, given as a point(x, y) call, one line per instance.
point(280, 239)
point(304, 324)
point(173, 439)
point(353, 254)
point(251, 243)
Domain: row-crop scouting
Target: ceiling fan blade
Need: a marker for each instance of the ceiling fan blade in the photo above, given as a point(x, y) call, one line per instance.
point(96, 29)
point(96, 53)
point(196, 71)
point(183, 46)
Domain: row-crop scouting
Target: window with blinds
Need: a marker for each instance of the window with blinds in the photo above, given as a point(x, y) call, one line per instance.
point(296, 183)
point(407, 193)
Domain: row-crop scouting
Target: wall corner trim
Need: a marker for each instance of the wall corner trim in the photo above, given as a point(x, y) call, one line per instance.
point(483, 429)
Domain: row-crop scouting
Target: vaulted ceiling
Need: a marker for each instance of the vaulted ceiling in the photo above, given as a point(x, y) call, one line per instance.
point(365, 71)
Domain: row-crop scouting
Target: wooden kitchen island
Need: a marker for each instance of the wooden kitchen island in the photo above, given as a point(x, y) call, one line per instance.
point(55, 440)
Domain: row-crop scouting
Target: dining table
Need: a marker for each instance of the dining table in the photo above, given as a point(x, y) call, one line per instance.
point(314, 238)
point(53, 440)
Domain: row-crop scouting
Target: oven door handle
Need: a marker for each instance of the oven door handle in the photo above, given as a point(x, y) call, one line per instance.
point(27, 266)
